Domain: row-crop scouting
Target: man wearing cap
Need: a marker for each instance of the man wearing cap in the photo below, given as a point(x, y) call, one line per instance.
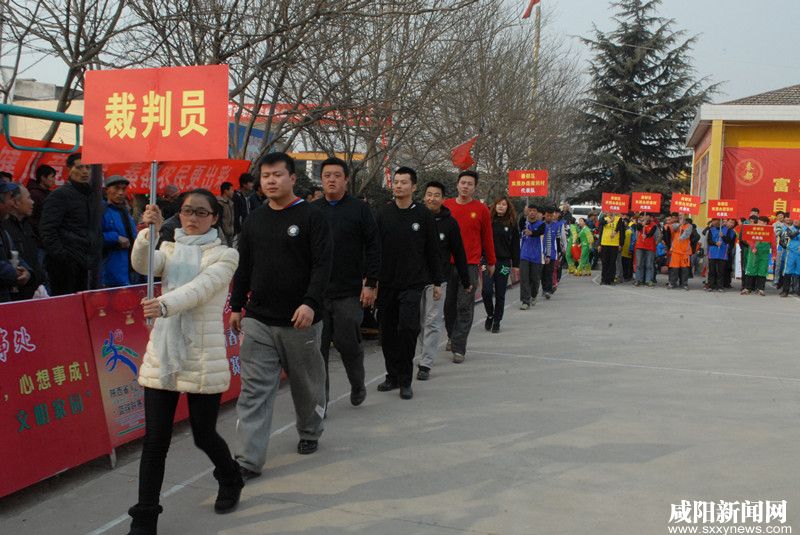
point(119, 232)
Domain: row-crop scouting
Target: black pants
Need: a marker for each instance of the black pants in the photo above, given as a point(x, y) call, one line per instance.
point(494, 290)
point(341, 324)
point(627, 268)
point(728, 274)
point(66, 277)
point(547, 276)
point(608, 256)
point(679, 276)
point(716, 273)
point(398, 315)
point(754, 282)
point(159, 412)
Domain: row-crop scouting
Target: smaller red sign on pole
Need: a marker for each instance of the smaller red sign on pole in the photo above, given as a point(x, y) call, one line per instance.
point(645, 202)
point(530, 183)
point(753, 234)
point(794, 210)
point(722, 209)
point(615, 203)
point(685, 204)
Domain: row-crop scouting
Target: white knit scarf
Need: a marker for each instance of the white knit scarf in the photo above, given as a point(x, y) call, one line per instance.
point(173, 336)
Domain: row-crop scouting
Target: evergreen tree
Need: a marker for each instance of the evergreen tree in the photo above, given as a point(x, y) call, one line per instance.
point(641, 101)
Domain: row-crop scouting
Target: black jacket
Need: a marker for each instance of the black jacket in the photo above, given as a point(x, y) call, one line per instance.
point(23, 241)
point(8, 273)
point(451, 245)
point(409, 248)
point(241, 209)
point(285, 260)
point(70, 226)
point(356, 249)
point(39, 194)
point(506, 241)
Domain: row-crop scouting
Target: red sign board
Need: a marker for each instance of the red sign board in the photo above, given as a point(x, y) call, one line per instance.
point(794, 210)
point(119, 338)
point(166, 114)
point(685, 204)
point(615, 203)
point(646, 202)
point(531, 183)
point(50, 405)
point(722, 209)
point(758, 233)
point(768, 179)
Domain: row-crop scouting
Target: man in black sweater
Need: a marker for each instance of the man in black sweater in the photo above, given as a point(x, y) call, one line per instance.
point(356, 265)
point(409, 262)
point(285, 258)
point(450, 245)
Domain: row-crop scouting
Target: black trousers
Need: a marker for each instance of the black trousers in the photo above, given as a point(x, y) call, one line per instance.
point(398, 316)
point(608, 256)
point(716, 273)
point(341, 324)
point(66, 277)
point(627, 268)
point(754, 282)
point(547, 276)
point(159, 412)
point(494, 290)
point(679, 276)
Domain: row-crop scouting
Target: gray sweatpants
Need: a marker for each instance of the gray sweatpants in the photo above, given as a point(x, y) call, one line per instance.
point(459, 309)
point(530, 277)
point(265, 349)
point(432, 314)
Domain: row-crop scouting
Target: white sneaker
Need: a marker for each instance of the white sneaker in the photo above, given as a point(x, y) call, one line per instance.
point(523, 306)
point(458, 358)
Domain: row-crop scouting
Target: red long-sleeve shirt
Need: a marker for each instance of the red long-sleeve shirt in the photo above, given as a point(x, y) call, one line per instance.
point(476, 230)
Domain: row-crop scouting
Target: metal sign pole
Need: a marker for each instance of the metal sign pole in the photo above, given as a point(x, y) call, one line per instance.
point(153, 238)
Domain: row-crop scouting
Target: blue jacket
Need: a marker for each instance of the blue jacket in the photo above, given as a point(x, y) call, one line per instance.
point(532, 246)
point(793, 233)
point(116, 260)
point(726, 236)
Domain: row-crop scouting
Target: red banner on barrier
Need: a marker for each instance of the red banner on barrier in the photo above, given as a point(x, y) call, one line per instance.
point(532, 183)
point(615, 203)
point(722, 209)
point(646, 202)
point(767, 179)
point(119, 338)
point(165, 114)
point(50, 405)
point(685, 204)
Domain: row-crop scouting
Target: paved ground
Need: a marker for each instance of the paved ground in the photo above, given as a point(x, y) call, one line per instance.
point(590, 413)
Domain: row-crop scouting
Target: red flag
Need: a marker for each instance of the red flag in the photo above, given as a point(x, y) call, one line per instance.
point(461, 156)
point(528, 11)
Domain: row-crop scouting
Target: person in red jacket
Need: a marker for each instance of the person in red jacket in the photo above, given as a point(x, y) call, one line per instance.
point(645, 250)
point(477, 234)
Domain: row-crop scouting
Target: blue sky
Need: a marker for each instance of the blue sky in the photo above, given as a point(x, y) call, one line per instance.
point(750, 45)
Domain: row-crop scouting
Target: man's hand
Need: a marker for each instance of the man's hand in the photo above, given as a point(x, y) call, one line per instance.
point(23, 276)
point(515, 271)
point(151, 308)
point(528, 232)
point(368, 296)
point(124, 243)
point(491, 270)
point(152, 216)
point(547, 260)
point(303, 317)
point(437, 293)
point(235, 322)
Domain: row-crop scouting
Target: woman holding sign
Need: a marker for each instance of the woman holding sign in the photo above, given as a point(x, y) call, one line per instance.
point(755, 274)
point(186, 351)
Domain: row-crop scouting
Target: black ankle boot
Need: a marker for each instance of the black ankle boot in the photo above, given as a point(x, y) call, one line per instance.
point(230, 489)
point(145, 519)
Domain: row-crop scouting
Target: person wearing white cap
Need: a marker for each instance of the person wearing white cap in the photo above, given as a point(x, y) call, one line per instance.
point(119, 232)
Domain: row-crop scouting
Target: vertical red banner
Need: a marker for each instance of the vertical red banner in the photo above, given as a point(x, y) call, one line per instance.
point(615, 203)
point(51, 413)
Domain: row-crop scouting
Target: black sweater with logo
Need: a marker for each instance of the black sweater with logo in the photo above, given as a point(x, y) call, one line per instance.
point(285, 259)
point(409, 247)
point(451, 245)
point(506, 241)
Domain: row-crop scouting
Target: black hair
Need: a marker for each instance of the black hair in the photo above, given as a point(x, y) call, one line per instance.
point(473, 174)
point(246, 178)
point(225, 186)
point(6, 176)
point(216, 209)
point(333, 160)
point(780, 212)
point(756, 210)
point(764, 218)
point(43, 171)
point(407, 171)
point(71, 159)
point(276, 157)
point(436, 184)
point(674, 214)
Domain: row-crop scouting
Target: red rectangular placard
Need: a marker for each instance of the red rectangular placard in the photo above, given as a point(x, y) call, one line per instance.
point(722, 209)
point(615, 203)
point(685, 204)
point(531, 183)
point(645, 202)
point(166, 114)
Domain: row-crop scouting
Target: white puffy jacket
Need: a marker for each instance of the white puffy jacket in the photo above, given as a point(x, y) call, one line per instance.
point(206, 370)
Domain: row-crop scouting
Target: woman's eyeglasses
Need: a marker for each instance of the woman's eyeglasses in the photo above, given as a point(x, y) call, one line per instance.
point(188, 211)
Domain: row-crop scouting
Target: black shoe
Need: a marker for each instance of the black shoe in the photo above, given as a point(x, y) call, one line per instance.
point(145, 519)
point(307, 447)
point(423, 374)
point(386, 386)
point(358, 395)
point(488, 323)
point(247, 474)
point(495, 327)
point(406, 392)
point(230, 490)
